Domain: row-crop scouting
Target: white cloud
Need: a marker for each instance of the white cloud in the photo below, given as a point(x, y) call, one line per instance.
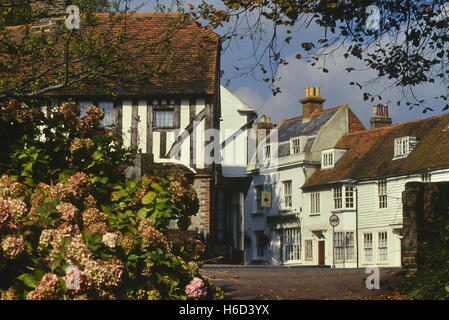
point(336, 89)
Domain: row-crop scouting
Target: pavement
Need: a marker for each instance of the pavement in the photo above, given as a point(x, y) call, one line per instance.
point(300, 283)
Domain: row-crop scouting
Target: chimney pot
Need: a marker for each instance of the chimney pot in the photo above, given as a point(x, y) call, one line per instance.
point(312, 102)
point(380, 117)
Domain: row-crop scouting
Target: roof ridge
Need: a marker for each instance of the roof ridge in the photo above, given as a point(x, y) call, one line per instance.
point(315, 114)
point(396, 125)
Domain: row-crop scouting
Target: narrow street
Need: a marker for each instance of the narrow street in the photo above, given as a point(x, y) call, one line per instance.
point(297, 283)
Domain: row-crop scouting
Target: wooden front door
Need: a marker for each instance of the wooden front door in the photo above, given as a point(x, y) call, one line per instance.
point(321, 253)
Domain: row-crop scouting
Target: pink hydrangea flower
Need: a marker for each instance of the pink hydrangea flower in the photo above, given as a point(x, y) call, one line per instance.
point(13, 246)
point(110, 239)
point(68, 212)
point(196, 288)
point(46, 289)
point(17, 208)
point(4, 212)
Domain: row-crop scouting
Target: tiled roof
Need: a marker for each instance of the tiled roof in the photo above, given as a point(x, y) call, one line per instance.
point(295, 127)
point(179, 55)
point(369, 153)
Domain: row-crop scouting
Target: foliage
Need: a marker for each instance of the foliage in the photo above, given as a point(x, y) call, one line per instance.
point(71, 226)
point(40, 59)
point(44, 147)
point(431, 281)
point(409, 48)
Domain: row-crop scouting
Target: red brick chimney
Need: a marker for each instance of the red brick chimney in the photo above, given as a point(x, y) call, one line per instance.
point(311, 103)
point(380, 116)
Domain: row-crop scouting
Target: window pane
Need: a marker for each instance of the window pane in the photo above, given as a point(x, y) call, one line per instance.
point(383, 246)
point(108, 108)
point(84, 105)
point(290, 244)
point(164, 118)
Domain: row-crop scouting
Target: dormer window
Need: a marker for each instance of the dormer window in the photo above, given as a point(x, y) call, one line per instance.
point(330, 157)
point(295, 146)
point(403, 146)
point(327, 160)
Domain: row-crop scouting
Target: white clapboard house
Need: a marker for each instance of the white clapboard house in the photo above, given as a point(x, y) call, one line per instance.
point(362, 185)
point(274, 205)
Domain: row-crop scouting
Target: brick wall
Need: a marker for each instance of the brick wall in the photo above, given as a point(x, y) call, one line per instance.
point(354, 122)
point(425, 215)
point(181, 235)
point(201, 221)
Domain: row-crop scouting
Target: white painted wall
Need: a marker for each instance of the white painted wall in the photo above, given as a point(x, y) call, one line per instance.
point(297, 169)
point(234, 115)
point(371, 219)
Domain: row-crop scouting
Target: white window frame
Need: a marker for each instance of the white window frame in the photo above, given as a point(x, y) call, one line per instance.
point(382, 202)
point(308, 245)
point(349, 246)
point(295, 146)
point(290, 244)
point(315, 203)
point(344, 246)
point(382, 246)
point(287, 185)
point(403, 146)
point(349, 197)
point(339, 246)
point(338, 197)
point(327, 159)
point(368, 247)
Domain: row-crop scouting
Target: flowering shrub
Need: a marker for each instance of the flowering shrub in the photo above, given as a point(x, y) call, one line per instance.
point(196, 288)
point(86, 232)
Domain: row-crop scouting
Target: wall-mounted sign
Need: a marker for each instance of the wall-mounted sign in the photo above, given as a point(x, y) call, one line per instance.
point(334, 220)
point(266, 199)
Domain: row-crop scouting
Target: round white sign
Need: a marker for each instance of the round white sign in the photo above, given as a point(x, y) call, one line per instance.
point(334, 220)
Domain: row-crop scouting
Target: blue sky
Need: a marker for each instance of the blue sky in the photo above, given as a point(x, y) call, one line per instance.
point(299, 74)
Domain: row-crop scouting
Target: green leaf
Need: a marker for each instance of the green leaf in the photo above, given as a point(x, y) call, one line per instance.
point(145, 181)
point(157, 187)
point(105, 209)
point(142, 213)
point(55, 264)
point(97, 155)
point(133, 257)
point(148, 198)
point(29, 280)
